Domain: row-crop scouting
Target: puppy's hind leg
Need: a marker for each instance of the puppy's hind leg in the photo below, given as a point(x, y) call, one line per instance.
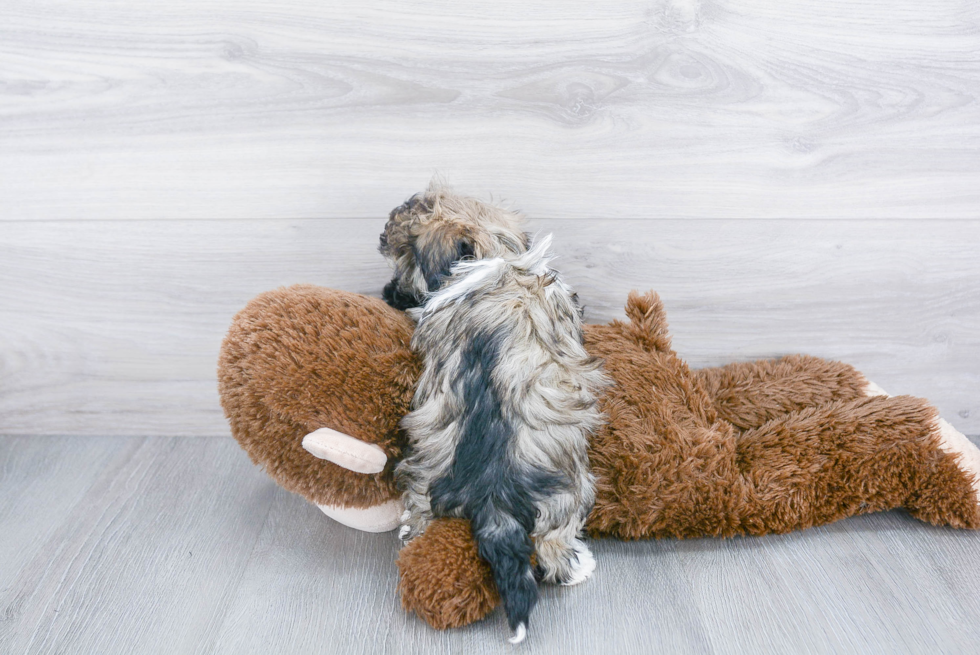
point(563, 558)
point(417, 516)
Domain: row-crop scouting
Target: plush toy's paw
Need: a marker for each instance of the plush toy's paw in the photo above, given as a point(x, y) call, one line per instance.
point(380, 518)
point(951, 441)
point(443, 579)
point(346, 451)
point(872, 389)
point(950, 495)
point(955, 442)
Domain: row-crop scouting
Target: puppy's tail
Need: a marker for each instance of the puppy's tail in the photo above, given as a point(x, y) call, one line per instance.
point(506, 545)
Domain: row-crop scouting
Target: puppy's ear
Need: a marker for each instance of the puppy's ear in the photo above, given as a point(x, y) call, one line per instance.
point(436, 262)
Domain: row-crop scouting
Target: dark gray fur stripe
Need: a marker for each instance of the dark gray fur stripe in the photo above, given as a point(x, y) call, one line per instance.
point(487, 486)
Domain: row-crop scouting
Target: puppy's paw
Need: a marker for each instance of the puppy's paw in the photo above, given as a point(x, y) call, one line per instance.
point(564, 563)
point(412, 526)
point(581, 566)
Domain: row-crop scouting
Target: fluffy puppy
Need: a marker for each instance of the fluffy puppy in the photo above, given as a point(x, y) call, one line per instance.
point(500, 422)
point(432, 230)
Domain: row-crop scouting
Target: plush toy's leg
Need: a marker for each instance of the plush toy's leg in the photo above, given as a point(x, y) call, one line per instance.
point(748, 394)
point(848, 457)
point(951, 441)
point(813, 449)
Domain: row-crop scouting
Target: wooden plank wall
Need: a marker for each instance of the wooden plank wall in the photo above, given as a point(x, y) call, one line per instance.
point(113, 328)
point(161, 163)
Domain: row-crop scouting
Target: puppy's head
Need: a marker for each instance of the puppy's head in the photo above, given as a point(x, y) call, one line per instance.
point(434, 229)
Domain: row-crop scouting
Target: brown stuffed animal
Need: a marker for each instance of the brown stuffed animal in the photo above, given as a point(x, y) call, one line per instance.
point(753, 448)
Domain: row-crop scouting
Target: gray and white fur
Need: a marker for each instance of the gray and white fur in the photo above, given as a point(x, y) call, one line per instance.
point(434, 229)
point(500, 422)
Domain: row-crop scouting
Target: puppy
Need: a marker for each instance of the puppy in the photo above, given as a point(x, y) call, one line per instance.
point(432, 230)
point(502, 413)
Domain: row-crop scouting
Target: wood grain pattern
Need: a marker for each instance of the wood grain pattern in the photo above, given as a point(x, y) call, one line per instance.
point(148, 555)
point(627, 108)
point(264, 114)
point(113, 328)
point(42, 480)
point(876, 591)
point(167, 545)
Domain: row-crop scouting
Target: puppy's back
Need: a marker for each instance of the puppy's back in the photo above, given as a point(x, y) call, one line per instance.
point(503, 410)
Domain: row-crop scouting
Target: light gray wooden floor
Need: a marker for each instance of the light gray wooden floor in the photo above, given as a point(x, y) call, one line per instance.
point(163, 162)
point(177, 545)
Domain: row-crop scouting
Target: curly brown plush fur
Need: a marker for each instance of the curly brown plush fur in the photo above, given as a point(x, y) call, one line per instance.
point(778, 446)
point(749, 448)
point(302, 358)
point(465, 593)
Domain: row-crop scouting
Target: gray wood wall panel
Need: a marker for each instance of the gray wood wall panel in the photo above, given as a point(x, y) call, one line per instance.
point(164, 545)
point(113, 327)
point(625, 108)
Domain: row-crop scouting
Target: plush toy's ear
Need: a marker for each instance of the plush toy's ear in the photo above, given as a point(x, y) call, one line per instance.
point(648, 320)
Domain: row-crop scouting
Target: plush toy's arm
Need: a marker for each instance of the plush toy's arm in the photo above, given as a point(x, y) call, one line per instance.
point(359, 457)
